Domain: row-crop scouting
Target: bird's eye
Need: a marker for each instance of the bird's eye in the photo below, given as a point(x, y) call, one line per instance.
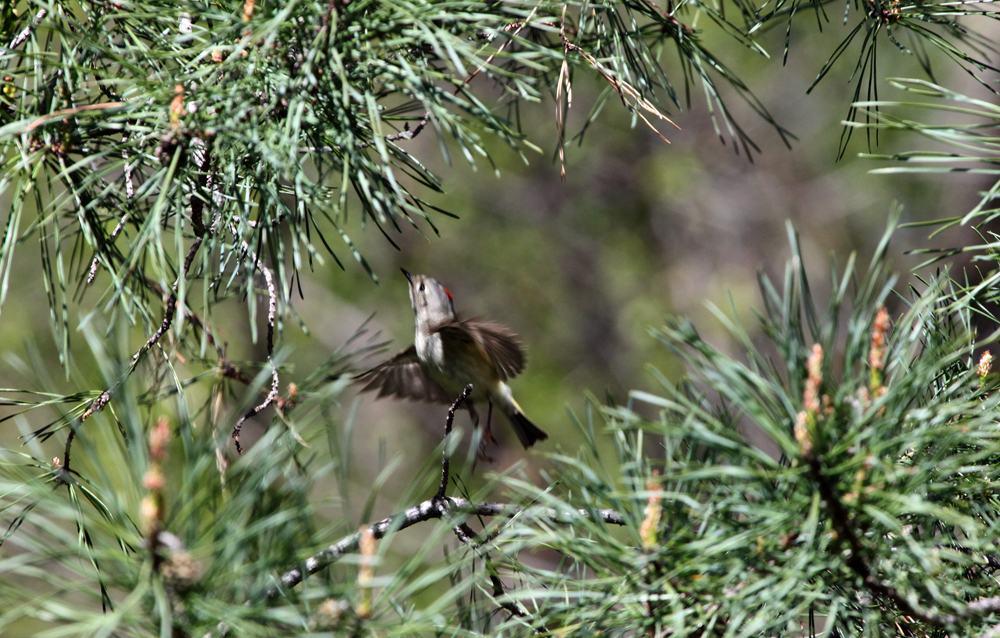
point(421, 287)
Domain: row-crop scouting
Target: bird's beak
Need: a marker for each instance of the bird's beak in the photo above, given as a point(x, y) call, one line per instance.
point(409, 277)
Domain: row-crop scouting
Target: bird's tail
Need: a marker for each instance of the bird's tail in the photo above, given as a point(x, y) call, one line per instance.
point(527, 432)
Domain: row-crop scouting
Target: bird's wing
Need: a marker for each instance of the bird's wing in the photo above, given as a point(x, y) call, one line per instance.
point(499, 342)
point(404, 377)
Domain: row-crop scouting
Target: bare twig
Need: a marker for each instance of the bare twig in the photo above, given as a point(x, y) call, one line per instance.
point(23, 35)
point(510, 605)
point(95, 406)
point(271, 309)
point(406, 133)
point(226, 368)
point(466, 535)
point(168, 314)
point(69, 445)
point(204, 159)
point(446, 463)
point(129, 192)
point(432, 509)
point(111, 238)
point(195, 320)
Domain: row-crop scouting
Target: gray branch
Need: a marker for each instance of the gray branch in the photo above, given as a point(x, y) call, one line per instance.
point(435, 508)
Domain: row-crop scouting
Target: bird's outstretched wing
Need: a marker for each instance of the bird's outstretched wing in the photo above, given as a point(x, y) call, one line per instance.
point(404, 377)
point(500, 343)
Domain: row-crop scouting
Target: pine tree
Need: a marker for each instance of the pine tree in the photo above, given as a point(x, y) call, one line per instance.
point(177, 159)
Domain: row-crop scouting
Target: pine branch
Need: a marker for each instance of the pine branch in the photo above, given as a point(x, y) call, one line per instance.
point(431, 509)
point(846, 530)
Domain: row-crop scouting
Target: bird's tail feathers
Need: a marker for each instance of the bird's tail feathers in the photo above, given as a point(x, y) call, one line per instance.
point(527, 432)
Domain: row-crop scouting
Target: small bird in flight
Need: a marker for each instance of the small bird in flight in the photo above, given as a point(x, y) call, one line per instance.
point(449, 353)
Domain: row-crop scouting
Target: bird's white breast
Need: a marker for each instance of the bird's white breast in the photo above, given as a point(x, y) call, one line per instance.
point(430, 350)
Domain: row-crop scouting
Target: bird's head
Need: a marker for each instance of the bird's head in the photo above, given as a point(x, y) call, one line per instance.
point(432, 303)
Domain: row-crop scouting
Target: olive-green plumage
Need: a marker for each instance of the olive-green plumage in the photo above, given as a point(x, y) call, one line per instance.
point(448, 354)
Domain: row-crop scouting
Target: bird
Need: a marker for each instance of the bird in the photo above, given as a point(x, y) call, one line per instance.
point(449, 353)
